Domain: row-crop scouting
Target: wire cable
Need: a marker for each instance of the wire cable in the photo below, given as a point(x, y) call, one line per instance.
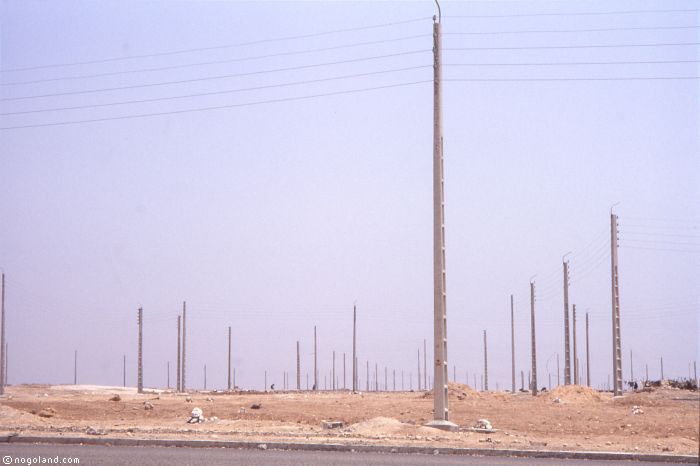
point(547, 31)
point(216, 47)
point(589, 46)
point(631, 78)
point(214, 62)
point(217, 107)
point(582, 13)
point(210, 78)
point(648, 62)
point(203, 94)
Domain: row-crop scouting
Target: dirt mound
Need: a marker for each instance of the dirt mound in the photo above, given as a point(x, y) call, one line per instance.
point(377, 425)
point(8, 414)
point(456, 390)
point(575, 394)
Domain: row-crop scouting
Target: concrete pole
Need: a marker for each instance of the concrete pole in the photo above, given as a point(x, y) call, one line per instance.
point(179, 356)
point(315, 365)
point(265, 386)
point(576, 380)
point(440, 397)
point(386, 378)
point(662, 368)
point(631, 368)
point(425, 365)
point(75, 367)
point(394, 377)
point(419, 369)
point(354, 348)
point(3, 347)
point(367, 377)
point(695, 373)
point(522, 380)
point(140, 354)
point(124, 370)
point(168, 386)
point(486, 365)
point(588, 356)
point(333, 373)
point(298, 368)
point(558, 370)
point(512, 346)
point(567, 350)
point(228, 378)
point(533, 383)
point(376, 377)
point(183, 385)
point(646, 372)
point(344, 385)
point(234, 378)
point(617, 344)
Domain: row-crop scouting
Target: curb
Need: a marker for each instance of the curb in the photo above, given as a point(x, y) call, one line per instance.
point(130, 442)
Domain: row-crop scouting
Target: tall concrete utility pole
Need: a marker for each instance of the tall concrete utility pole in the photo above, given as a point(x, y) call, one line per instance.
point(354, 348)
point(662, 368)
point(124, 370)
point(646, 372)
point(298, 368)
point(333, 373)
point(533, 382)
point(576, 380)
point(367, 377)
point(567, 350)
point(179, 355)
point(512, 347)
point(588, 356)
point(183, 386)
point(3, 347)
point(344, 386)
point(386, 384)
point(315, 363)
point(522, 380)
point(440, 398)
point(376, 377)
point(75, 367)
point(425, 364)
point(139, 377)
point(486, 365)
point(631, 368)
point(617, 344)
point(419, 370)
point(229, 359)
point(558, 369)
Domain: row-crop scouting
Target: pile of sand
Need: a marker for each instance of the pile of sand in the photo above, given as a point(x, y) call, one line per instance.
point(383, 425)
point(457, 390)
point(575, 394)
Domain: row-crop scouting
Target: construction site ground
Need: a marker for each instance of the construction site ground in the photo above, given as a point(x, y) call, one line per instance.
point(571, 418)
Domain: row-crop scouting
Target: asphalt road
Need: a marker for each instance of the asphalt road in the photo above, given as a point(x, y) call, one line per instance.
point(170, 456)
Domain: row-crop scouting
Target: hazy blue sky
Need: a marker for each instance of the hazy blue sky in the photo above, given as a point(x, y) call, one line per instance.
point(274, 217)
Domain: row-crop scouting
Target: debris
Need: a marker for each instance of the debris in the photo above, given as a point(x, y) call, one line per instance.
point(241, 410)
point(93, 431)
point(262, 446)
point(116, 398)
point(47, 412)
point(197, 416)
point(210, 399)
point(256, 406)
point(147, 405)
point(483, 424)
point(188, 399)
point(637, 410)
point(213, 419)
point(556, 400)
point(487, 439)
point(332, 424)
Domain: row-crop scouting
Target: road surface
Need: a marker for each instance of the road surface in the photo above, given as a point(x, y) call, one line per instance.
point(170, 456)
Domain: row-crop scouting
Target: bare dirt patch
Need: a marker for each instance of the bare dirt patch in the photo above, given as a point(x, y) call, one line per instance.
point(583, 419)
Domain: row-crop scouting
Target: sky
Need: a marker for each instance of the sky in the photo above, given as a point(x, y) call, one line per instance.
point(270, 163)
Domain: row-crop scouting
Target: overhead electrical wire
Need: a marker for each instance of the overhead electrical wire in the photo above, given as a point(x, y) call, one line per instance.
point(548, 31)
point(216, 107)
point(573, 63)
point(588, 46)
point(580, 13)
point(213, 62)
point(626, 78)
point(226, 91)
point(216, 47)
point(217, 77)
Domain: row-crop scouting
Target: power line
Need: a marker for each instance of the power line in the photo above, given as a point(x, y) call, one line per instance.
point(217, 107)
point(593, 46)
point(582, 13)
point(215, 62)
point(640, 78)
point(547, 31)
point(649, 62)
point(210, 78)
point(216, 47)
point(203, 94)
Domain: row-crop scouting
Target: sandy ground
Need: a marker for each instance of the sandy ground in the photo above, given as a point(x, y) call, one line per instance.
point(568, 418)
